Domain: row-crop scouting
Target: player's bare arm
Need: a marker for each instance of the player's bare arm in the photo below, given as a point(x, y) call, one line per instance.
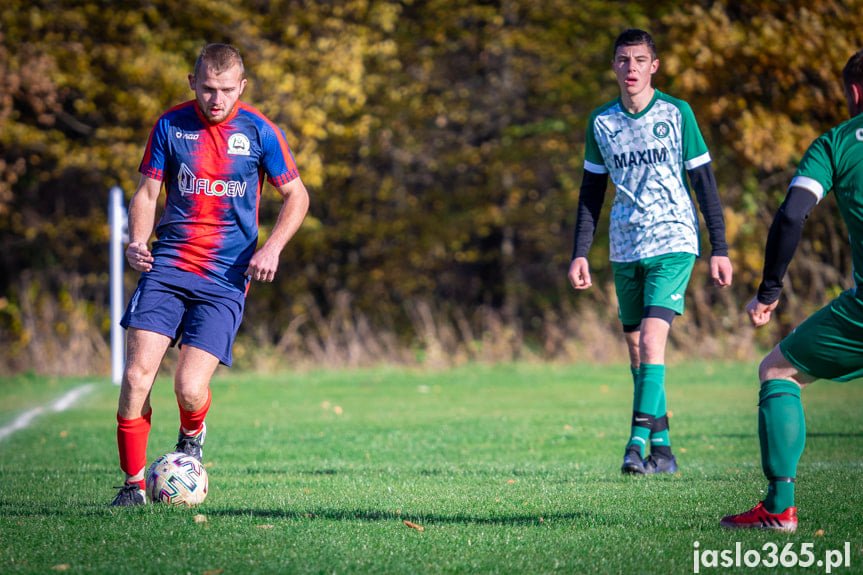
point(142, 218)
point(265, 261)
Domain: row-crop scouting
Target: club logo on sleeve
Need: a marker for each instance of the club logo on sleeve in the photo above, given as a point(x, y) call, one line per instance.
point(239, 145)
point(661, 130)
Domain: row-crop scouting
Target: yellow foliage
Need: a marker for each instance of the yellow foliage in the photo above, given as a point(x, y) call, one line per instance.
point(434, 136)
point(771, 141)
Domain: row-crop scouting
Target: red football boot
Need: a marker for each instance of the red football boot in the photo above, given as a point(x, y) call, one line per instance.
point(760, 518)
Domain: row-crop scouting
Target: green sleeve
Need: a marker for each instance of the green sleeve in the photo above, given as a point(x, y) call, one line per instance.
point(591, 148)
point(817, 167)
point(694, 146)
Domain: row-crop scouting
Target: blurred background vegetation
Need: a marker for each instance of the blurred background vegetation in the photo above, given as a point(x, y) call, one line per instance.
point(442, 144)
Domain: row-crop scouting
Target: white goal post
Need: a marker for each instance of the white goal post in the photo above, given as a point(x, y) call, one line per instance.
point(118, 219)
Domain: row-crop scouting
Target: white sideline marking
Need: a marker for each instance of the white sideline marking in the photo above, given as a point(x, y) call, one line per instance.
point(62, 404)
point(71, 397)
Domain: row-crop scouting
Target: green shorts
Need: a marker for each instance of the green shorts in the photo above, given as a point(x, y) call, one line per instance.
point(658, 281)
point(829, 344)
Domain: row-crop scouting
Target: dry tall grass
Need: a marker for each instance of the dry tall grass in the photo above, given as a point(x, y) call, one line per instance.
point(65, 333)
point(52, 330)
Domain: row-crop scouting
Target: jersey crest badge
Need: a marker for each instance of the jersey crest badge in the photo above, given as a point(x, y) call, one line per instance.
point(239, 145)
point(661, 130)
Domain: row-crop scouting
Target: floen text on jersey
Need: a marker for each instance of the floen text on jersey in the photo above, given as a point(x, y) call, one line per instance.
point(187, 183)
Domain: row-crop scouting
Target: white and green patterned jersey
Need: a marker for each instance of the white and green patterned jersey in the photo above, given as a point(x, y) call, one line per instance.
point(834, 162)
point(646, 155)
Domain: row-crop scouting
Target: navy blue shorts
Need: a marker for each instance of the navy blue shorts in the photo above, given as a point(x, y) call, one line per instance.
point(199, 312)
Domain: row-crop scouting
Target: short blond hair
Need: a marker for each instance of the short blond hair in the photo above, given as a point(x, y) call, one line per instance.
point(220, 57)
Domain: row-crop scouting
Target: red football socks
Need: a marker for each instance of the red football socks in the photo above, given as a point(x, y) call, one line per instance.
point(132, 437)
point(191, 421)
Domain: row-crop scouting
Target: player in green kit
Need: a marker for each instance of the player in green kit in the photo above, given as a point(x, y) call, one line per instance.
point(648, 143)
point(829, 344)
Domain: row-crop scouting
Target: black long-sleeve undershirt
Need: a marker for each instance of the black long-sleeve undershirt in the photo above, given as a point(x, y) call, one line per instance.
point(592, 195)
point(707, 193)
point(782, 239)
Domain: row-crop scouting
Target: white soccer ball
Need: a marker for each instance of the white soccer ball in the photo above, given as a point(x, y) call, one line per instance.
point(177, 479)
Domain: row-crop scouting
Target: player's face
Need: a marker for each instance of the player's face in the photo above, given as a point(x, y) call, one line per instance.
point(634, 67)
point(217, 94)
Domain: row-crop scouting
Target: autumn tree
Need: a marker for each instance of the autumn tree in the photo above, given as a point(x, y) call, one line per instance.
point(442, 143)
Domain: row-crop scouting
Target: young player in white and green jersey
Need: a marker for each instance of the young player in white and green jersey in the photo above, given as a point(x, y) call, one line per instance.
point(829, 344)
point(648, 143)
point(646, 154)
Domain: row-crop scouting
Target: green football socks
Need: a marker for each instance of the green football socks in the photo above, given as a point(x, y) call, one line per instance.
point(782, 434)
point(649, 394)
point(659, 434)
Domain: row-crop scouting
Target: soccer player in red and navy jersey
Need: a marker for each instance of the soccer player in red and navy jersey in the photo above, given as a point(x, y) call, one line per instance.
point(212, 155)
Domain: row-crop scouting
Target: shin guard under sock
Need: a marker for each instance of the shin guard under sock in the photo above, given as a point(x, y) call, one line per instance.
point(659, 437)
point(659, 434)
point(782, 435)
point(648, 389)
point(191, 421)
point(132, 435)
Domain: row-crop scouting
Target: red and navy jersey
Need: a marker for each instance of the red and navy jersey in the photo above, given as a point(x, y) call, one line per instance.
point(213, 177)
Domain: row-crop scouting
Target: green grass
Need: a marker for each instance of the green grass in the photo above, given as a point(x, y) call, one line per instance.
point(509, 469)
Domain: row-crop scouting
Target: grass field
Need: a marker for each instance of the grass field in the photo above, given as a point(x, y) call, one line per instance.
point(508, 469)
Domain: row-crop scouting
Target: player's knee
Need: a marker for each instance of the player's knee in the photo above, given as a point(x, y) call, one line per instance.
point(138, 379)
point(634, 353)
point(190, 393)
point(764, 370)
point(775, 366)
point(652, 345)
